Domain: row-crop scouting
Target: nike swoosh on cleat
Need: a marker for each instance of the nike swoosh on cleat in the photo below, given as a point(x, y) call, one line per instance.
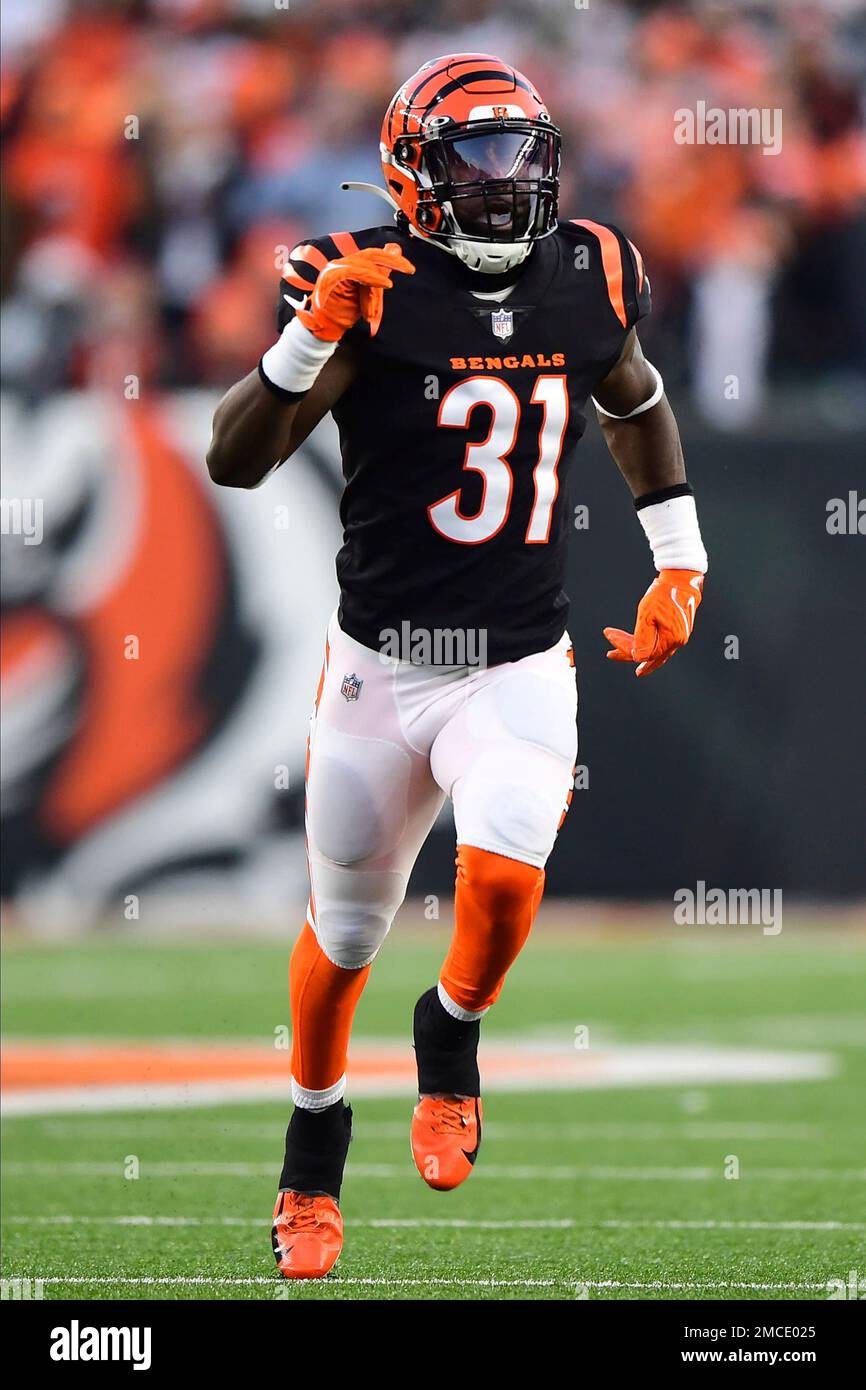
point(471, 1154)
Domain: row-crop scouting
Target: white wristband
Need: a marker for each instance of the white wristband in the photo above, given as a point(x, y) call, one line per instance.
point(674, 535)
point(639, 409)
point(296, 358)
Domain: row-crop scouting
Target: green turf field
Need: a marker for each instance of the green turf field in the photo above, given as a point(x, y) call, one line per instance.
point(607, 1193)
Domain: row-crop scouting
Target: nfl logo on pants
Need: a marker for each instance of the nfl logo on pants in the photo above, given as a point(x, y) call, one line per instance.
point(351, 687)
point(502, 321)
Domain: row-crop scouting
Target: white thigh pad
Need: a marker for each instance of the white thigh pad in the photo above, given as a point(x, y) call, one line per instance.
point(507, 757)
point(510, 801)
point(531, 708)
point(357, 795)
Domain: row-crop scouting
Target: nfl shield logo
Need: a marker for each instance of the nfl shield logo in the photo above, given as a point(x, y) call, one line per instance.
point(502, 321)
point(351, 687)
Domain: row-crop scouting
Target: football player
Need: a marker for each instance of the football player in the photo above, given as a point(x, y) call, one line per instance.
point(457, 348)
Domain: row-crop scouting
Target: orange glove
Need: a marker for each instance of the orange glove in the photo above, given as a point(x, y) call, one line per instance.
point(665, 618)
point(352, 288)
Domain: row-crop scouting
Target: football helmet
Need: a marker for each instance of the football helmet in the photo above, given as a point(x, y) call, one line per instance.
point(471, 160)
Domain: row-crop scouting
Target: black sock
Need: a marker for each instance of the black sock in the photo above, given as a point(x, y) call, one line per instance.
point(317, 1142)
point(445, 1049)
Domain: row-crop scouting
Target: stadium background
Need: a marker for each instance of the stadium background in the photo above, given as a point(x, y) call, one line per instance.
point(139, 279)
point(158, 154)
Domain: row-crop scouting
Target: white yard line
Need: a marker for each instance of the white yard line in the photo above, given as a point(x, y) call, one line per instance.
point(265, 1131)
point(602, 1130)
point(263, 1281)
point(452, 1224)
point(735, 1225)
point(508, 1172)
point(383, 1223)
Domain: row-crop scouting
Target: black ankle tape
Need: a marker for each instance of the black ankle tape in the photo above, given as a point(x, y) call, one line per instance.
point(445, 1050)
point(317, 1142)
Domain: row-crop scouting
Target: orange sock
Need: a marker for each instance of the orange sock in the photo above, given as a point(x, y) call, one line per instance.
point(494, 908)
point(323, 997)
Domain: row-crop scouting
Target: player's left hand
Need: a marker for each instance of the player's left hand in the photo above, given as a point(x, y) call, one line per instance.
point(665, 618)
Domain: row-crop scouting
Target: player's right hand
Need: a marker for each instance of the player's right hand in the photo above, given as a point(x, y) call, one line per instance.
point(352, 288)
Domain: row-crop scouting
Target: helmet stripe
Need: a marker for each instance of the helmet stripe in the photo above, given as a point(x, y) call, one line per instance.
point(413, 95)
point(480, 75)
point(456, 83)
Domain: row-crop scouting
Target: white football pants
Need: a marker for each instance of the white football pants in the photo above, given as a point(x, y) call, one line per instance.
point(390, 740)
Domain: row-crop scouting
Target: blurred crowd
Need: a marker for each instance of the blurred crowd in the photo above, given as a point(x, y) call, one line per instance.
point(158, 153)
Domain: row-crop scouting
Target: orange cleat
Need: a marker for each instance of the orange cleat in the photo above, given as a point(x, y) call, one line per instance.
point(446, 1136)
point(307, 1234)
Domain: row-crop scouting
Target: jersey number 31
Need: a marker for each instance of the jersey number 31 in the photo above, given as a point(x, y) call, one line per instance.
point(490, 457)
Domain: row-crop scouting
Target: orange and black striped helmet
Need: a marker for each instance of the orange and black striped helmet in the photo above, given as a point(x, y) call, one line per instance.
point(471, 156)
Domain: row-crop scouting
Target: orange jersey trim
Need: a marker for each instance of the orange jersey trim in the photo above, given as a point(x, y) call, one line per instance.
point(345, 243)
point(611, 260)
point(640, 271)
point(310, 255)
point(297, 280)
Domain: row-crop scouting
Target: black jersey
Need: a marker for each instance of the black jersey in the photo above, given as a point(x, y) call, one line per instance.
point(458, 432)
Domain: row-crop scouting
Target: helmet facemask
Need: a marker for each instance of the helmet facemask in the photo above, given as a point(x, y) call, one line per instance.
point(487, 189)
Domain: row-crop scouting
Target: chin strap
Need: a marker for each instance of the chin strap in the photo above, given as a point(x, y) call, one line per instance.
point(474, 255)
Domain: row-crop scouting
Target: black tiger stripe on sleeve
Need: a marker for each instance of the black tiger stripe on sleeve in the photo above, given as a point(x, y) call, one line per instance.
point(297, 279)
point(303, 267)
